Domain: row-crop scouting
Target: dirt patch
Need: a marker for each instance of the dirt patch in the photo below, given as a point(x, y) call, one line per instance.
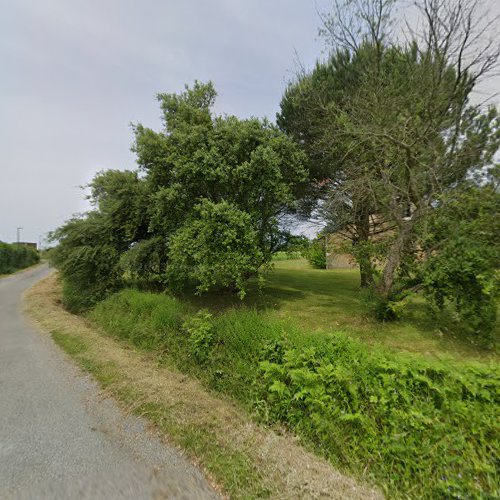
point(285, 469)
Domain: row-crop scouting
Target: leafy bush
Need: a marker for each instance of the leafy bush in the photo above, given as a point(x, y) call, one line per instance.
point(14, 257)
point(316, 253)
point(87, 260)
point(425, 430)
point(144, 265)
point(218, 247)
point(201, 335)
point(462, 270)
point(208, 189)
point(421, 429)
point(384, 308)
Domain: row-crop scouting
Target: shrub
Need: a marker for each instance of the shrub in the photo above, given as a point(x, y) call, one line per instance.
point(89, 268)
point(201, 340)
point(15, 256)
point(219, 247)
point(461, 272)
point(424, 430)
point(144, 264)
point(316, 253)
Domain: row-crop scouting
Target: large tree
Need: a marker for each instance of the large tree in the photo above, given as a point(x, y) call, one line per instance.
point(205, 206)
point(389, 125)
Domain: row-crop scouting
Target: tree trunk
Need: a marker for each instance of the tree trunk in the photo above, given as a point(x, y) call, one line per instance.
point(366, 274)
point(362, 254)
point(394, 256)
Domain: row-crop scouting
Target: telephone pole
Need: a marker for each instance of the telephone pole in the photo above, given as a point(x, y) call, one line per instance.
point(19, 234)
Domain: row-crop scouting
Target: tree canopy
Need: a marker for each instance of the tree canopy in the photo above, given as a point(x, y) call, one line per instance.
point(204, 207)
point(389, 126)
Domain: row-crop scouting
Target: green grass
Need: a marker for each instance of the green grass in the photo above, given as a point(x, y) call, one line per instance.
point(423, 428)
point(420, 418)
point(329, 300)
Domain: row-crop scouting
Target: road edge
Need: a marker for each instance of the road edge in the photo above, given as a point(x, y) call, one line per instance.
point(239, 457)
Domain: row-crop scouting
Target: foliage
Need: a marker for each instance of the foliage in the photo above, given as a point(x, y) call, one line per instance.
point(203, 208)
point(87, 258)
point(217, 247)
point(388, 126)
point(147, 320)
point(316, 253)
point(201, 335)
point(384, 308)
point(14, 256)
point(296, 243)
point(427, 431)
point(419, 428)
point(286, 255)
point(462, 270)
point(144, 264)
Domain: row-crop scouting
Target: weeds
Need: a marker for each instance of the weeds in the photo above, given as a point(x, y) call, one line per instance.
point(420, 428)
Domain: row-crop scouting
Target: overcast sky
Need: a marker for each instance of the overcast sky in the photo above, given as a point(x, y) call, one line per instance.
point(75, 73)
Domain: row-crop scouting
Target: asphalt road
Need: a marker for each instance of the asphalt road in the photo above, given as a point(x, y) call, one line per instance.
point(59, 439)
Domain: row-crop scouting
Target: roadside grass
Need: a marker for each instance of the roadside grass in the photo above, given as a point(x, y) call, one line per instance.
point(329, 300)
point(243, 458)
point(239, 476)
point(420, 428)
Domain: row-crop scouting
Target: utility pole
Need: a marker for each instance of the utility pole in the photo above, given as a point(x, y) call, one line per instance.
point(19, 234)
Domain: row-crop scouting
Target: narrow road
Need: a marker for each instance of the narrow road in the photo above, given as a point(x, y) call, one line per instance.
point(59, 438)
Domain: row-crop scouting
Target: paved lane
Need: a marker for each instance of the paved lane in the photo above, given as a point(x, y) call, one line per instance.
point(58, 438)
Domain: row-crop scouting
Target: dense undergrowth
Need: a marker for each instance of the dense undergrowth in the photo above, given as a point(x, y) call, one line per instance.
point(421, 429)
point(14, 257)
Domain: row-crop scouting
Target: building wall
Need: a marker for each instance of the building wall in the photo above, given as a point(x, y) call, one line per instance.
point(335, 257)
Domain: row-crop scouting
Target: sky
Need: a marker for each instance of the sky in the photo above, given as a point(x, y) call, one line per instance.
point(75, 73)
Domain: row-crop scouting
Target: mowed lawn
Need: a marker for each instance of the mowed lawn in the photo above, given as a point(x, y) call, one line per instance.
point(330, 300)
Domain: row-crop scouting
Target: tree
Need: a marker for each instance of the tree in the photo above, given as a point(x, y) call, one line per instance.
point(198, 157)
point(217, 247)
point(310, 111)
point(406, 132)
point(204, 206)
point(462, 269)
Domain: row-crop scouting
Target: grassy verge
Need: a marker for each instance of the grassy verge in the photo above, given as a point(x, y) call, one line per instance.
point(244, 459)
point(420, 428)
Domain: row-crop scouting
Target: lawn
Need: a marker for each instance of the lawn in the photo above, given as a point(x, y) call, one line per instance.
point(329, 300)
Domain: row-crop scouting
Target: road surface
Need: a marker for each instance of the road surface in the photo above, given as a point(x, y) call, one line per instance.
point(59, 438)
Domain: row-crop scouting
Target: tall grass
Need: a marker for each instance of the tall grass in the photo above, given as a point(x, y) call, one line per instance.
point(14, 257)
point(421, 429)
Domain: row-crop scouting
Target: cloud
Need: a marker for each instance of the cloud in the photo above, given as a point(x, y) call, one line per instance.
point(75, 74)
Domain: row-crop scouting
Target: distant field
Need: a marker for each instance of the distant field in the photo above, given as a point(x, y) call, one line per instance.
point(329, 300)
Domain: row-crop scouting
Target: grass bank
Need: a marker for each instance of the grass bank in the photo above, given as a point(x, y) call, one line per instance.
point(243, 458)
point(419, 428)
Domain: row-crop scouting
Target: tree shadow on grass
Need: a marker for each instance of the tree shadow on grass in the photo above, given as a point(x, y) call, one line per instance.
point(330, 300)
